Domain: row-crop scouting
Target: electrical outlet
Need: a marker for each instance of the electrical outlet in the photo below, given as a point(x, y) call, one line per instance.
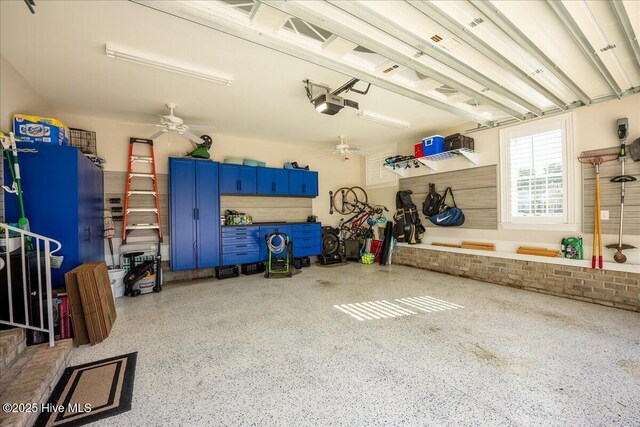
point(604, 215)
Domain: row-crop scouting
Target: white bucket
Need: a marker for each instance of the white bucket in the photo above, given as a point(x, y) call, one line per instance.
point(117, 284)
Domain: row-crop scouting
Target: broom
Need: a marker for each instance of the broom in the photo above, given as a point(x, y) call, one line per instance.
point(109, 231)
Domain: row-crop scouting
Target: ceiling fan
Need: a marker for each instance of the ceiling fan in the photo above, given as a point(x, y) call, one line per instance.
point(345, 151)
point(171, 122)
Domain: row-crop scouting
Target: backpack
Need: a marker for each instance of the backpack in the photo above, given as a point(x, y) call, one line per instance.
point(448, 216)
point(431, 204)
point(407, 226)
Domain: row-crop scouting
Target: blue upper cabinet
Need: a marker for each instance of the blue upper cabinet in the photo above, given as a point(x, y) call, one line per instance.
point(303, 183)
point(274, 182)
point(237, 179)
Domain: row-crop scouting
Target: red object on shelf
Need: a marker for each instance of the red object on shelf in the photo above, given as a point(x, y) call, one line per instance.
point(376, 249)
point(418, 150)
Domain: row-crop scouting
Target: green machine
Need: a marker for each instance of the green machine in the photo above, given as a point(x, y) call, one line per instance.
point(572, 247)
point(280, 250)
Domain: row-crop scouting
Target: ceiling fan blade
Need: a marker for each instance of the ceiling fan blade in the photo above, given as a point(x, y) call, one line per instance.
point(141, 124)
point(202, 128)
point(157, 134)
point(191, 137)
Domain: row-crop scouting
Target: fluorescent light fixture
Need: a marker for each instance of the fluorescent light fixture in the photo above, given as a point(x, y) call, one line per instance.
point(167, 64)
point(374, 117)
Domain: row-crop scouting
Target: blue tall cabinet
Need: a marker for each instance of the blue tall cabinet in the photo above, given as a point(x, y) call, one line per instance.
point(194, 211)
point(63, 194)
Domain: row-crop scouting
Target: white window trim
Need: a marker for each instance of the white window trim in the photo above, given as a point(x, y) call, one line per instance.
point(381, 152)
point(568, 221)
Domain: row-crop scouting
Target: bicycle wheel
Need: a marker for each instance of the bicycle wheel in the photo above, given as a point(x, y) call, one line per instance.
point(361, 195)
point(345, 201)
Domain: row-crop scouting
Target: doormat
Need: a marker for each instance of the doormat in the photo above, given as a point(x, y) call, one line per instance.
point(89, 392)
point(372, 310)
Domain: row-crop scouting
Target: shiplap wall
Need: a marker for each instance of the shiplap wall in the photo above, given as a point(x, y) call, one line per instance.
point(610, 197)
point(264, 209)
point(475, 191)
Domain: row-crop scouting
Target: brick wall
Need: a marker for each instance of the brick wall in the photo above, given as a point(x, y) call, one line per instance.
point(606, 287)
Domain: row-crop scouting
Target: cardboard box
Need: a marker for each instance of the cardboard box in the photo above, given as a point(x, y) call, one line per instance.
point(40, 129)
point(92, 306)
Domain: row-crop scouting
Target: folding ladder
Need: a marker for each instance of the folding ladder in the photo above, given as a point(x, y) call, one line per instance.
point(134, 197)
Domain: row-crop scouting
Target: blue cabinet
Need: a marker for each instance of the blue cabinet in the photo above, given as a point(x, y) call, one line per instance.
point(303, 183)
point(274, 182)
point(194, 211)
point(307, 239)
point(63, 194)
point(237, 179)
point(240, 245)
point(265, 231)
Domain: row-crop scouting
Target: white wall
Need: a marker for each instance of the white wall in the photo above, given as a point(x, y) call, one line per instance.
point(113, 143)
point(594, 128)
point(17, 96)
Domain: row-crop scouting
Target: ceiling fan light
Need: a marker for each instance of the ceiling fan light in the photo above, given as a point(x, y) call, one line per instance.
point(162, 63)
point(378, 118)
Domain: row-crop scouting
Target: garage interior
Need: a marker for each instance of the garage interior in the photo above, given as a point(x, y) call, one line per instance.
point(247, 212)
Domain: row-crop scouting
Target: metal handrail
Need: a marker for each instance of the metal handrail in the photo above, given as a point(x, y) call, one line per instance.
point(35, 241)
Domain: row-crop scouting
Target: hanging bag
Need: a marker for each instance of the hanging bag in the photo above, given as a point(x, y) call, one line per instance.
point(449, 216)
point(431, 203)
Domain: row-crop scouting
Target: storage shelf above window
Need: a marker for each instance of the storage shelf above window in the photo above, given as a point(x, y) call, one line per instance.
point(402, 168)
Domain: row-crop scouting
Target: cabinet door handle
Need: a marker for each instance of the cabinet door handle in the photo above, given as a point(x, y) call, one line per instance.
point(304, 188)
point(87, 234)
point(273, 187)
point(194, 214)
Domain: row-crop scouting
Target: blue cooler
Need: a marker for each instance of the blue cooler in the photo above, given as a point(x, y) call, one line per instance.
point(433, 145)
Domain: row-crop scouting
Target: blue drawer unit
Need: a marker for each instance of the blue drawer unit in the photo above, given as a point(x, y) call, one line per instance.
point(266, 230)
point(240, 245)
point(194, 214)
point(303, 183)
point(307, 239)
point(237, 179)
point(273, 182)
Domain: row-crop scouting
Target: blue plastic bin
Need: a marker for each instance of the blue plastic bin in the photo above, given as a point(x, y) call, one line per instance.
point(433, 145)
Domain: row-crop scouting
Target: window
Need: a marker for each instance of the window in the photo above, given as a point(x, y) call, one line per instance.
point(536, 164)
point(377, 175)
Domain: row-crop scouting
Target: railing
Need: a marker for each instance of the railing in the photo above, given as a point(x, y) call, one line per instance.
point(39, 244)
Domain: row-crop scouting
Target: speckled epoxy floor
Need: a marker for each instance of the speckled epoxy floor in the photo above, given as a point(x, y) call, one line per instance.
point(252, 351)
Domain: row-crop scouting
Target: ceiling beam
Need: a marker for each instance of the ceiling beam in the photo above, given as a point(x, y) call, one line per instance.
point(475, 42)
point(581, 40)
point(188, 13)
point(625, 24)
point(493, 14)
point(345, 31)
point(400, 32)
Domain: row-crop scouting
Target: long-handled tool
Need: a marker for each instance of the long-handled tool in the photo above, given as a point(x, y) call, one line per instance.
point(623, 132)
point(596, 160)
point(109, 231)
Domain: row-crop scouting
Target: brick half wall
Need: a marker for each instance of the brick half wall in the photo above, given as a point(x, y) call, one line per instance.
point(607, 287)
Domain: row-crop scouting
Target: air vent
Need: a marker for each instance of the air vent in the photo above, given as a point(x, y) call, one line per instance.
point(436, 38)
point(476, 22)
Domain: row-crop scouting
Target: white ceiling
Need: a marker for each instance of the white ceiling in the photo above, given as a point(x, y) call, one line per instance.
point(61, 52)
point(454, 61)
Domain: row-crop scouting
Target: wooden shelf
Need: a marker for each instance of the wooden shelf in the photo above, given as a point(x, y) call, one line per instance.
point(402, 168)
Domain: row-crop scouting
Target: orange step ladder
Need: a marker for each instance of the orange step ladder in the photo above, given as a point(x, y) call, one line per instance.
point(129, 201)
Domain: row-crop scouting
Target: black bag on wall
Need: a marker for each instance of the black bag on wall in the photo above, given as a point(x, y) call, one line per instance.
point(448, 216)
point(431, 204)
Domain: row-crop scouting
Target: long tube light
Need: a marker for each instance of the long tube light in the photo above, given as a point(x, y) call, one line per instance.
point(162, 63)
point(375, 117)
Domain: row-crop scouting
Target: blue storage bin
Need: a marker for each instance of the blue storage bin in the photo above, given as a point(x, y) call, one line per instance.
point(433, 145)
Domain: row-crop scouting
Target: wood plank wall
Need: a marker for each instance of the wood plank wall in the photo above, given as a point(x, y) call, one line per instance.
point(610, 197)
point(263, 209)
point(475, 191)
